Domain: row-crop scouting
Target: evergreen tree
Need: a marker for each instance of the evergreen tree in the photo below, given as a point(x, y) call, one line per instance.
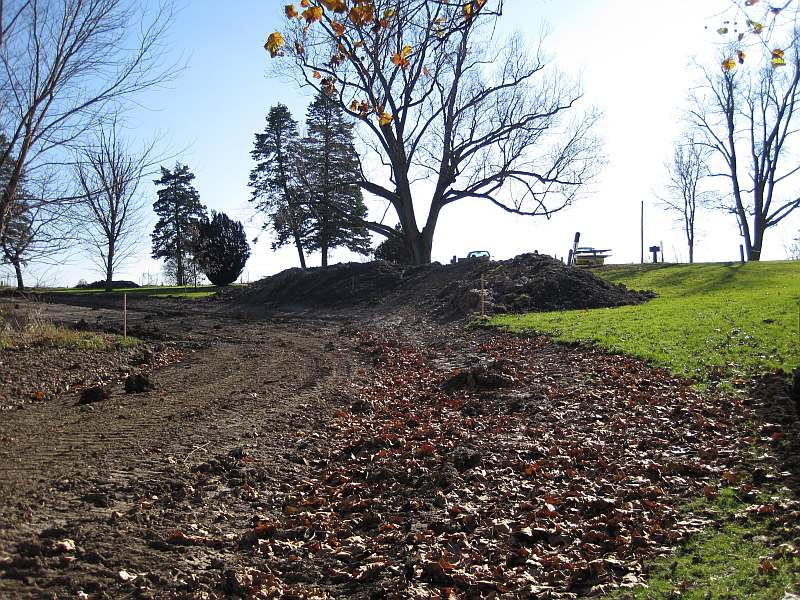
point(276, 191)
point(330, 172)
point(179, 210)
point(221, 248)
point(393, 249)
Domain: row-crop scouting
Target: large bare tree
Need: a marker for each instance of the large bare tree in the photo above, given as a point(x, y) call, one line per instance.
point(108, 174)
point(63, 64)
point(747, 117)
point(444, 101)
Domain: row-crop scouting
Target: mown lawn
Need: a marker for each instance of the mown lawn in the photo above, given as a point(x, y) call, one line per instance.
point(709, 321)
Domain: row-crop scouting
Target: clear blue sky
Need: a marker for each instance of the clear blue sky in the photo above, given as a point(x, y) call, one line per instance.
point(633, 58)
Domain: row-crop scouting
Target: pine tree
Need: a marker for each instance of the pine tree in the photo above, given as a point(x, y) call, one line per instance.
point(179, 210)
point(276, 191)
point(330, 172)
point(221, 248)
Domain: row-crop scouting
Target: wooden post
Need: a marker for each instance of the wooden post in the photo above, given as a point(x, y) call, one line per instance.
point(125, 316)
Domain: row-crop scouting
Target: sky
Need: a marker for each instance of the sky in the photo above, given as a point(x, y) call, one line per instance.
point(634, 60)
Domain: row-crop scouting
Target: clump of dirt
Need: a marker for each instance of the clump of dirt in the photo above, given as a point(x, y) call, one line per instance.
point(526, 283)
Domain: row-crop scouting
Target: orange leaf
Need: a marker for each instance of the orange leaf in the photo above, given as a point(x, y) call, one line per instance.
point(274, 43)
point(338, 28)
point(338, 6)
point(290, 10)
point(312, 14)
point(316, 75)
point(728, 64)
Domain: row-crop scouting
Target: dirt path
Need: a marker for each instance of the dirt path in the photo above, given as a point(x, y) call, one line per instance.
point(118, 478)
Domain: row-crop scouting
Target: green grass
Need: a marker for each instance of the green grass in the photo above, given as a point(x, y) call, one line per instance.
point(43, 334)
point(185, 292)
point(739, 558)
point(709, 321)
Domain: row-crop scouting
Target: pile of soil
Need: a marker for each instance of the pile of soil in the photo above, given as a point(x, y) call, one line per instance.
point(101, 284)
point(526, 283)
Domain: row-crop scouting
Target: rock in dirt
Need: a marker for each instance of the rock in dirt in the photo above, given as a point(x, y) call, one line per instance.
point(138, 383)
point(480, 378)
point(94, 394)
point(795, 389)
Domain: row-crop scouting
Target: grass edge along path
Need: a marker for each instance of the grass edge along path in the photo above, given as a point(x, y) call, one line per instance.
point(711, 322)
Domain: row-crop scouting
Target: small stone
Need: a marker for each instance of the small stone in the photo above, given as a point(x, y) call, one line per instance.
point(137, 383)
point(94, 394)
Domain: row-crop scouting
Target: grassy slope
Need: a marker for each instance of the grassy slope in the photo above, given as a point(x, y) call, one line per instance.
point(151, 291)
point(708, 321)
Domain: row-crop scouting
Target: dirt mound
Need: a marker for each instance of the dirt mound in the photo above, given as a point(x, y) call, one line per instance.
point(526, 283)
point(116, 285)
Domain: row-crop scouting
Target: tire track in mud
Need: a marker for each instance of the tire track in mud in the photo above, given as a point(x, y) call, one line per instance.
point(68, 467)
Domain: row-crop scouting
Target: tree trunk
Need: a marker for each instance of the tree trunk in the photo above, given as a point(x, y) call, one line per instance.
point(110, 270)
point(691, 253)
point(18, 272)
point(299, 245)
point(324, 256)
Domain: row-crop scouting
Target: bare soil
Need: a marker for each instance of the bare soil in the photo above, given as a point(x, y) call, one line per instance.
point(366, 451)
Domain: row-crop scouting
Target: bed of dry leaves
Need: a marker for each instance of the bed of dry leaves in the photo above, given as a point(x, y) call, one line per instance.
point(535, 470)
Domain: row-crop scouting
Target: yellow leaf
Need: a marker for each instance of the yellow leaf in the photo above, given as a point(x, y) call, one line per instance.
point(305, 3)
point(290, 10)
point(777, 58)
point(755, 25)
point(313, 14)
point(384, 118)
point(777, 53)
point(467, 10)
point(728, 64)
point(274, 43)
point(389, 13)
point(401, 58)
point(722, 30)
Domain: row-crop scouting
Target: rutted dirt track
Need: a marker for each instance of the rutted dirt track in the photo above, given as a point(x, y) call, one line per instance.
point(111, 475)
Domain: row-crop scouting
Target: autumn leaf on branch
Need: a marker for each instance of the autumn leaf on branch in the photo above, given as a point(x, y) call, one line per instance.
point(274, 43)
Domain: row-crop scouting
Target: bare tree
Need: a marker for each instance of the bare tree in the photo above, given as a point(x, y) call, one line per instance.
point(37, 231)
point(444, 101)
point(110, 207)
point(745, 116)
point(686, 171)
point(63, 64)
